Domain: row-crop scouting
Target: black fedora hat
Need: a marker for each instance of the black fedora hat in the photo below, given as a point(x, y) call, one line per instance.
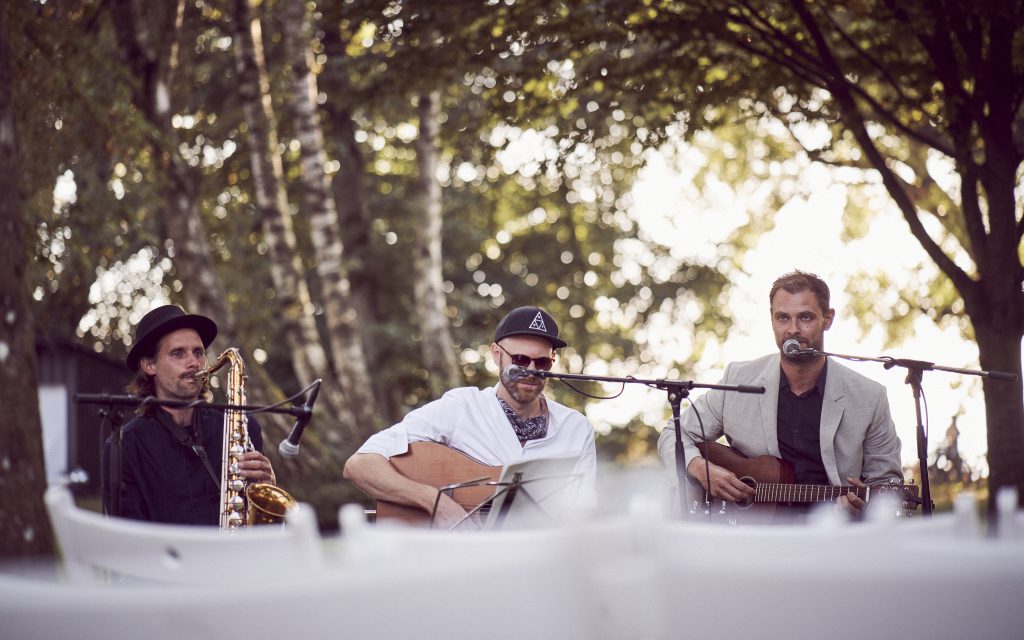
point(163, 320)
point(529, 321)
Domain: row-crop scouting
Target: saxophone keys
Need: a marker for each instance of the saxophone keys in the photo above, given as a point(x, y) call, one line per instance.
point(236, 485)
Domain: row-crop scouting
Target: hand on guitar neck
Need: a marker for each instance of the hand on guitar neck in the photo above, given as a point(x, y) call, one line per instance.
point(851, 503)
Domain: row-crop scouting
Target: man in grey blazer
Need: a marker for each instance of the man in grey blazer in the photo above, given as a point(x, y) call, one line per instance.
point(830, 422)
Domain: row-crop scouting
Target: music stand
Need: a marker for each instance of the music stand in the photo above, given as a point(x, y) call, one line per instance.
point(530, 493)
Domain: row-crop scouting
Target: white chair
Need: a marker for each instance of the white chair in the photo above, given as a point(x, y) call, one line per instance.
point(95, 548)
point(890, 579)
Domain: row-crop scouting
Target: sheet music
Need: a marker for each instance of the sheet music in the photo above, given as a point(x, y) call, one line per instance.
point(548, 489)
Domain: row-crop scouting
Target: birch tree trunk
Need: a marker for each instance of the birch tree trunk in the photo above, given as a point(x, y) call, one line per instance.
point(299, 328)
point(150, 51)
point(25, 527)
point(354, 220)
point(436, 342)
point(343, 321)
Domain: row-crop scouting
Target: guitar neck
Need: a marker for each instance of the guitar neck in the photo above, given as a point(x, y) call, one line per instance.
point(772, 492)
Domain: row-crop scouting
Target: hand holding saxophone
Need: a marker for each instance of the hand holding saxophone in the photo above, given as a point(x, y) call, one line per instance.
point(256, 467)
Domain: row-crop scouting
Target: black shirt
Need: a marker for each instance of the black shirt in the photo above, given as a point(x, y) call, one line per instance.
point(799, 430)
point(164, 480)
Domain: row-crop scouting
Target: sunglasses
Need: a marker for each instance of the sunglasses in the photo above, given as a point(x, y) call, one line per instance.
point(518, 359)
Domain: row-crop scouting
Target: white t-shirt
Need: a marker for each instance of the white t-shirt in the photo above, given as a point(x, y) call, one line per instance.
point(472, 420)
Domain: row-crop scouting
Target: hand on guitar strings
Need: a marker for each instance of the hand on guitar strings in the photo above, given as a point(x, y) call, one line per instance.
point(725, 485)
point(851, 503)
point(450, 513)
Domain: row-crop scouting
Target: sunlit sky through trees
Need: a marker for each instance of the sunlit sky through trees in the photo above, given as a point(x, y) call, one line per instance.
point(807, 235)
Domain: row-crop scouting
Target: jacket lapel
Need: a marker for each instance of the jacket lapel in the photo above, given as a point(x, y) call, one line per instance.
point(831, 414)
point(769, 403)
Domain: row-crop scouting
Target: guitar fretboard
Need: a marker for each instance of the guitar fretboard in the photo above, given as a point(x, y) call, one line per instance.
point(766, 492)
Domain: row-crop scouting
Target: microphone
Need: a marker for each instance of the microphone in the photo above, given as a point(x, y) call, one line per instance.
point(515, 372)
point(289, 447)
point(792, 347)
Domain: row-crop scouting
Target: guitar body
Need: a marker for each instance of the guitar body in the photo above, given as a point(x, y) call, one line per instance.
point(438, 465)
point(773, 482)
point(759, 469)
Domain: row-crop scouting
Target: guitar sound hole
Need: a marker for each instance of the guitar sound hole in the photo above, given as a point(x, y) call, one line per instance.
point(749, 500)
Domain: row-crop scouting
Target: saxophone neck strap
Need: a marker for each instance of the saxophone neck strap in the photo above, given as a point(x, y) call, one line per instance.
point(187, 438)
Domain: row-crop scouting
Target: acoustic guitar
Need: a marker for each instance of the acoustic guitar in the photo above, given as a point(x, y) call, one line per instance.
point(438, 466)
point(773, 481)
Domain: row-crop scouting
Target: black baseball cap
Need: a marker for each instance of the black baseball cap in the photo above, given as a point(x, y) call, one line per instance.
point(529, 321)
point(163, 320)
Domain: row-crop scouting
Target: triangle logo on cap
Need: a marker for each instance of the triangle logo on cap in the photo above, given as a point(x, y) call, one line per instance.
point(538, 323)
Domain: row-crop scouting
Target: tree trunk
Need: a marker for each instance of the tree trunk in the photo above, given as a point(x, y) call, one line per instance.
point(298, 325)
point(152, 59)
point(354, 219)
point(354, 226)
point(25, 526)
point(1000, 350)
point(993, 297)
point(436, 341)
point(343, 322)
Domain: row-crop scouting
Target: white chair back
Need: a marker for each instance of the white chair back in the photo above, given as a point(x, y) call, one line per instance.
point(95, 548)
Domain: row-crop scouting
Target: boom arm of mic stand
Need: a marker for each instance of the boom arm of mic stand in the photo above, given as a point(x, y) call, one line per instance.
point(115, 471)
point(688, 385)
point(677, 390)
point(915, 373)
point(135, 401)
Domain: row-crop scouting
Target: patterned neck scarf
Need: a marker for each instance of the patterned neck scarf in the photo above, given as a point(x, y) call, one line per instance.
point(531, 428)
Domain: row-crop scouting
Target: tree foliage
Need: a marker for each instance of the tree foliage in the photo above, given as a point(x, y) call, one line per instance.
point(546, 112)
point(925, 97)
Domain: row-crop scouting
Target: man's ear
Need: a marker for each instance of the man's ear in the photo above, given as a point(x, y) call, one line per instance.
point(830, 315)
point(496, 354)
point(148, 365)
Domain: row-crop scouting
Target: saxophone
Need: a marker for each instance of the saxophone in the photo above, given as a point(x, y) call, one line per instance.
point(259, 502)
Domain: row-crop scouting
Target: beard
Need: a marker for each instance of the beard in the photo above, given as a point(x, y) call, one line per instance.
point(184, 388)
point(525, 390)
point(800, 357)
point(818, 344)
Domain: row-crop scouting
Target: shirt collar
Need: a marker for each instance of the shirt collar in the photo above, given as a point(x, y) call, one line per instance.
point(819, 384)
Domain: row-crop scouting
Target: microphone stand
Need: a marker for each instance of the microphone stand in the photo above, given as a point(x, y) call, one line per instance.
point(677, 390)
point(915, 373)
point(113, 408)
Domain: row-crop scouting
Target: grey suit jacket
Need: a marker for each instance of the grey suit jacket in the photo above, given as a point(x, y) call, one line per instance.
point(858, 438)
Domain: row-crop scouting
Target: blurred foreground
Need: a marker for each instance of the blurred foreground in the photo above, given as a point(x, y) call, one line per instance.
point(641, 574)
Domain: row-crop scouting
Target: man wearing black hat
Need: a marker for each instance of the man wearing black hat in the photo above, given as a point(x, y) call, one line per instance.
point(168, 453)
point(510, 422)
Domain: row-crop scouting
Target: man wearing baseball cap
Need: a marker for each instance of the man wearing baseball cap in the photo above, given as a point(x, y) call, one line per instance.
point(510, 422)
point(171, 456)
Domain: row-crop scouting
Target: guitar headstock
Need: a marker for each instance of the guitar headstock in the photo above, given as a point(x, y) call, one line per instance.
point(907, 494)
